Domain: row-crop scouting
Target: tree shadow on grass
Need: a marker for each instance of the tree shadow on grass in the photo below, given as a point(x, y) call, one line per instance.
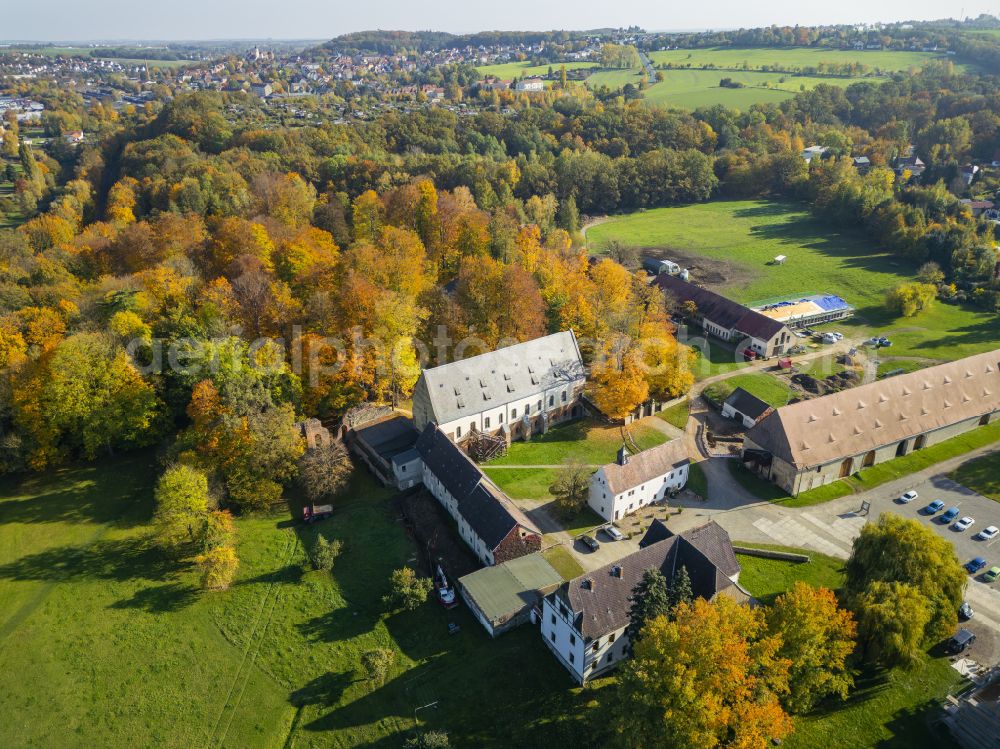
point(978, 334)
point(94, 493)
point(510, 687)
point(157, 599)
point(869, 684)
point(771, 208)
point(125, 559)
point(917, 726)
point(337, 625)
point(325, 691)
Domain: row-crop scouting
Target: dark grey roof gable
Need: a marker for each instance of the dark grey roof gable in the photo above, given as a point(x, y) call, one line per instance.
point(747, 404)
point(487, 510)
point(600, 599)
point(722, 311)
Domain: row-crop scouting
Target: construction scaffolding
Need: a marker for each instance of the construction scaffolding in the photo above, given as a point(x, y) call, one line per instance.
point(483, 446)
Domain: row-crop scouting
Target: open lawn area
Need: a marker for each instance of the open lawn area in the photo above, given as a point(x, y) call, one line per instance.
point(563, 562)
point(692, 89)
point(982, 475)
point(767, 578)
point(791, 58)
point(585, 440)
point(772, 390)
point(123, 650)
point(727, 245)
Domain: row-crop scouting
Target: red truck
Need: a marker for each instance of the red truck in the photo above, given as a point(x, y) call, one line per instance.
point(313, 513)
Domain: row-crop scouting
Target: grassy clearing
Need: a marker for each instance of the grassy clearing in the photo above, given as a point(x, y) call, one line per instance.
point(584, 440)
point(677, 414)
point(563, 562)
point(981, 475)
point(523, 483)
point(886, 709)
point(693, 89)
point(896, 364)
point(714, 357)
point(771, 390)
point(97, 616)
point(791, 58)
point(728, 243)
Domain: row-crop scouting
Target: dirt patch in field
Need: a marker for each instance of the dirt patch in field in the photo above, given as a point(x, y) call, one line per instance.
point(704, 271)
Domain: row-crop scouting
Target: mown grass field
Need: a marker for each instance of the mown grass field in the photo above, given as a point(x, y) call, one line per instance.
point(792, 58)
point(691, 89)
point(729, 243)
point(123, 650)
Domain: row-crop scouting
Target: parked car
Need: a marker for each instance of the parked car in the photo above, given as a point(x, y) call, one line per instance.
point(992, 574)
point(874, 341)
point(974, 565)
point(934, 507)
point(839, 336)
point(965, 611)
point(950, 514)
point(909, 496)
point(960, 641)
point(988, 533)
point(885, 342)
point(613, 533)
point(964, 523)
point(590, 542)
point(829, 338)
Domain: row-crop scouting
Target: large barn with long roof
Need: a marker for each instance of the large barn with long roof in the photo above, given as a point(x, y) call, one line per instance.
point(815, 442)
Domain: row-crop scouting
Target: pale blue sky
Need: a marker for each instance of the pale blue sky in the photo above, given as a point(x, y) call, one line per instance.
point(321, 19)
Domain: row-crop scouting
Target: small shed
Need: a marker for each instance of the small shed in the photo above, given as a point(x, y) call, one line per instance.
point(779, 259)
point(502, 596)
point(745, 407)
point(785, 363)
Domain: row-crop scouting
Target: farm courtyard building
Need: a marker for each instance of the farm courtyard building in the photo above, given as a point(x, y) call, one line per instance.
point(516, 391)
point(729, 320)
point(634, 481)
point(815, 442)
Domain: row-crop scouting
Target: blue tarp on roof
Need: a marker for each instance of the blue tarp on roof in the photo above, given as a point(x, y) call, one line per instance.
point(830, 302)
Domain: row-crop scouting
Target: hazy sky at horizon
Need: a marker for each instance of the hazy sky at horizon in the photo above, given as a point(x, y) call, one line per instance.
point(322, 19)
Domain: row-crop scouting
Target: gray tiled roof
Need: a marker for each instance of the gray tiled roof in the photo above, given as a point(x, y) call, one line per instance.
point(489, 512)
point(470, 386)
point(600, 598)
point(747, 403)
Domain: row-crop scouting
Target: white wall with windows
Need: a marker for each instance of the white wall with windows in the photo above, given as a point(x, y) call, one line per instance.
point(611, 506)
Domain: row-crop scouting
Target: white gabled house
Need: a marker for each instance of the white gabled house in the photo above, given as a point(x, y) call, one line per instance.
point(634, 481)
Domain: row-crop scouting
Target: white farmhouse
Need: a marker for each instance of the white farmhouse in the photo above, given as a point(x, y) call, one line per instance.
point(585, 621)
point(634, 481)
point(517, 391)
point(530, 84)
